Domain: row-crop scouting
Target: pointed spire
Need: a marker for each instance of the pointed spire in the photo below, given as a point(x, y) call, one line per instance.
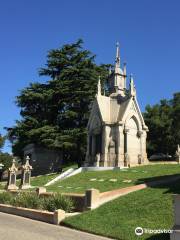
point(117, 61)
point(132, 87)
point(110, 70)
point(131, 80)
point(124, 69)
point(99, 86)
point(125, 74)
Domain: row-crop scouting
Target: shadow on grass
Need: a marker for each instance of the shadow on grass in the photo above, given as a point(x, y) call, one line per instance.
point(173, 185)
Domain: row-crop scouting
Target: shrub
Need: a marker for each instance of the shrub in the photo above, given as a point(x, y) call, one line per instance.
point(27, 200)
point(6, 198)
point(32, 200)
point(58, 201)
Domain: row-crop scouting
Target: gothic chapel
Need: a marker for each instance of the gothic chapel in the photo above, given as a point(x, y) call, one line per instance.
point(116, 129)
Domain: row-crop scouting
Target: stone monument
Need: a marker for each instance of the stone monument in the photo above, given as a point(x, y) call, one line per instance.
point(26, 175)
point(11, 185)
point(116, 128)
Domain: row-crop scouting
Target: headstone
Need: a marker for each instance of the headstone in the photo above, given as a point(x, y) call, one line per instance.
point(12, 177)
point(178, 154)
point(93, 179)
point(113, 180)
point(26, 175)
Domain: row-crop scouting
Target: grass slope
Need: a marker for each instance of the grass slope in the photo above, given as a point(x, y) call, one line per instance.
point(79, 183)
point(149, 208)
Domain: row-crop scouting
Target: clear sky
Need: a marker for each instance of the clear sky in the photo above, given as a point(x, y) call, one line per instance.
point(148, 32)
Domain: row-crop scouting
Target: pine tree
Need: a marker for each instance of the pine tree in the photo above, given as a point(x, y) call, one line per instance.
point(55, 114)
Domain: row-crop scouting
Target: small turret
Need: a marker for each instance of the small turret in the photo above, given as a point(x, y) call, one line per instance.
point(118, 79)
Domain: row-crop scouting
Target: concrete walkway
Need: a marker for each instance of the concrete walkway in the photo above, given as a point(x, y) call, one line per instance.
point(15, 227)
point(110, 195)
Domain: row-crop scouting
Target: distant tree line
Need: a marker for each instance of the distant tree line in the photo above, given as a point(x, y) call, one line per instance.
point(54, 114)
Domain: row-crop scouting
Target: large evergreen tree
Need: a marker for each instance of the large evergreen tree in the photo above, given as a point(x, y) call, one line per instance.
point(163, 121)
point(55, 114)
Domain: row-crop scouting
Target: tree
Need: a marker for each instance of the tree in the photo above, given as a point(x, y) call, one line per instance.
point(55, 114)
point(164, 128)
point(176, 119)
point(2, 141)
point(5, 158)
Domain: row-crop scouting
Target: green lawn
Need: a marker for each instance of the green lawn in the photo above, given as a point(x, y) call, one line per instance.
point(101, 180)
point(149, 208)
point(41, 180)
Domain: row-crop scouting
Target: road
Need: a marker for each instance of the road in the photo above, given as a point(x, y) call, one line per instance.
point(19, 228)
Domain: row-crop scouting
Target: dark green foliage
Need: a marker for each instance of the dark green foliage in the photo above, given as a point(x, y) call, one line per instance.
point(26, 200)
point(163, 121)
point(55, 114)
point(32, 200)
point(6, 160)
point(58, 201)
point(5, 198)
point(2, 141)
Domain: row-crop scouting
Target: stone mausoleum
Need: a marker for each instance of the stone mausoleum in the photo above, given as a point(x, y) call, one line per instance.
point(116, 128)
point(43, 160)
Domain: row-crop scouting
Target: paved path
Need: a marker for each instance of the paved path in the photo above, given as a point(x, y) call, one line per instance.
point(19, 228)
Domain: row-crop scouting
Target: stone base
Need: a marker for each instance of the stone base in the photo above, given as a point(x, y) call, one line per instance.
point(119, 161)
point(25, 186)
point(12, 187)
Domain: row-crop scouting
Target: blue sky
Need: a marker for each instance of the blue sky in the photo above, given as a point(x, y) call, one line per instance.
point(148, 32)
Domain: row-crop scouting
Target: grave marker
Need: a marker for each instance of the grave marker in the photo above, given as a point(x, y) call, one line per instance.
point(26, 175)
point(12, 177)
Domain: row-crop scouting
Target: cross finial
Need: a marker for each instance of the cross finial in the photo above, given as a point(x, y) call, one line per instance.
point(117, 53)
